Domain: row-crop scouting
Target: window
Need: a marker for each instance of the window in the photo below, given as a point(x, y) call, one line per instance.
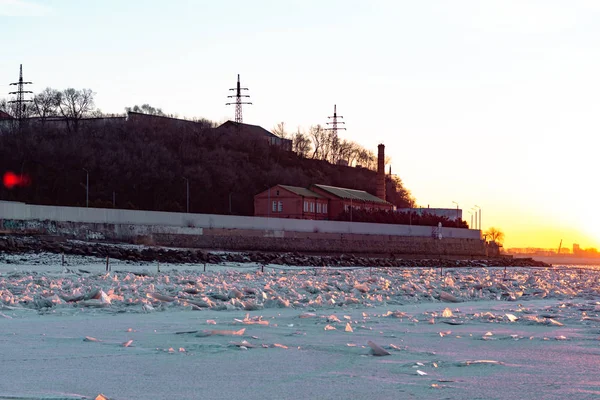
point(318, 208)
point(324, 208)
point(280, 206)
point(346, 207)
point(274, 206)
point(278, 193)
point(312, 207)
point(305, 206)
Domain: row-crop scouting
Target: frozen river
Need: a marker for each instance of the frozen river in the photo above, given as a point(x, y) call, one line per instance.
point(236, 332)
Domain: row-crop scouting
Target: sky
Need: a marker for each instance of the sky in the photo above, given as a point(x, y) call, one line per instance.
point(488, 103)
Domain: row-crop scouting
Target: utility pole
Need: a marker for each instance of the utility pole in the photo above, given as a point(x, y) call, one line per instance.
point(187, 197)
point(238, 101)
point(87, 187)
point(20, 102)
point(456, 212)
point(334, 121)
point(334, 125)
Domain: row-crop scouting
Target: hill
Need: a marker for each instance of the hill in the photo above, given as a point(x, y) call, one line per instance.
point(146, 167)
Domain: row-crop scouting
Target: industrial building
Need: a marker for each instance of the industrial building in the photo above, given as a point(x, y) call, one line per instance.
point(321, 201)
point(318, 202)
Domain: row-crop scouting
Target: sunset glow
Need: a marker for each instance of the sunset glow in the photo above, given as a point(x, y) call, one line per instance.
point(489, 103)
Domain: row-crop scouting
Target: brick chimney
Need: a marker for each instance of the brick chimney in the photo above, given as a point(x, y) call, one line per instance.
point(381, 171)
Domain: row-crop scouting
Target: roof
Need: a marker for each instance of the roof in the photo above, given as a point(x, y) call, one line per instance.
point(301, 191)
point(253, 129)
point(4, 115)
point(344, 193)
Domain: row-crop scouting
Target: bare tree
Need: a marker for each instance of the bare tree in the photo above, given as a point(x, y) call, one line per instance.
point(4, 105)
point(45, 104)
point(301, 144)
point(319, 137)
point(8, 107)
point(333, 147)
point(146, 109)
point(494, 235)
point(279, 131)
point(74, 105)
point(345, 152)
point(366, 158)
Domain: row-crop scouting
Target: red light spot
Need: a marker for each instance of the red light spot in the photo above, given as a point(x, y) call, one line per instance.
point(11, 180)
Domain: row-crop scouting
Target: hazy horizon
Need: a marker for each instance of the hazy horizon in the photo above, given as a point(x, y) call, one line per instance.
point(488, 103)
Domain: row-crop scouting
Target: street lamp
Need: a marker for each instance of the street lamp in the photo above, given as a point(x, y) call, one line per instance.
point(456, 212)
point(471, 212)
point(268, 200)
point(475, 212)
point(479, 208)
point(187, 197)
point(87, 187)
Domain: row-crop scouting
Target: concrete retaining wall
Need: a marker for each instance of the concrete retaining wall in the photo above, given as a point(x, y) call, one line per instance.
point(22, 211)
point(236, 233)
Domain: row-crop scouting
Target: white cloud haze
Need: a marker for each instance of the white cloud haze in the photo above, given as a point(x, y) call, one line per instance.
point(22, 8)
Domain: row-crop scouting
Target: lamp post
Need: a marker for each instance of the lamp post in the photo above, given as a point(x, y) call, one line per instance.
point(479, 208)
point(187, 197)
point(87, 187)
point(471, 212)
point(456, 212)
point(269, 202)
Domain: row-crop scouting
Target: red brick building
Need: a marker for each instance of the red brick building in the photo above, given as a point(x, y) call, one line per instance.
point(342, 199)
point(316, 202)
point(282, 201)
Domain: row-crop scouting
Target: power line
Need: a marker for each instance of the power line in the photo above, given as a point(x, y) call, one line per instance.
point(238, 100)
point(20, 102)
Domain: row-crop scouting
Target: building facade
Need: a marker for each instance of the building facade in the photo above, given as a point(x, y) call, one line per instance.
point(319, 202)
point(342, 199)
point(283, 201)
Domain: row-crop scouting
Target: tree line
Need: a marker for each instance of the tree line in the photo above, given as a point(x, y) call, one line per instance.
point(320, 143)
point(73, 105)
point(358, 214)
point(70, 104)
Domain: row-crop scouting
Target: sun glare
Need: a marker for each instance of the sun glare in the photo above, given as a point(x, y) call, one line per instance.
point(589, 225)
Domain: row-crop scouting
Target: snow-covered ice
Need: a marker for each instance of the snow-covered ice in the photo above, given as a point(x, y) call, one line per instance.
point(234, 331)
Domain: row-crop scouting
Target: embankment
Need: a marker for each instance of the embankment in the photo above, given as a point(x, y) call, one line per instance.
point(238, 233)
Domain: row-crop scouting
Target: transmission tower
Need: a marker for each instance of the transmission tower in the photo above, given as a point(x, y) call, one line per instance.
point(238, 100)
point(20, 102)
point(334, 122)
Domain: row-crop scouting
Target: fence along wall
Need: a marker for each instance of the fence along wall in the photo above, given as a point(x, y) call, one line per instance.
point(236, 232)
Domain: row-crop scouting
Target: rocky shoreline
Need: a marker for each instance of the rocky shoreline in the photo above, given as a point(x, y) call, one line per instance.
point(13, 244)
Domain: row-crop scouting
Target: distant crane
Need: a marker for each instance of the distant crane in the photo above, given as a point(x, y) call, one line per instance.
point(559, 247)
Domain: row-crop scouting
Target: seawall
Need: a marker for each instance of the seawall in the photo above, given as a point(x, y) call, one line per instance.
point(237, 233)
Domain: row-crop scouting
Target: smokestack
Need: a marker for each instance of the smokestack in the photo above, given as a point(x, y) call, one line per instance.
point(381, 171)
